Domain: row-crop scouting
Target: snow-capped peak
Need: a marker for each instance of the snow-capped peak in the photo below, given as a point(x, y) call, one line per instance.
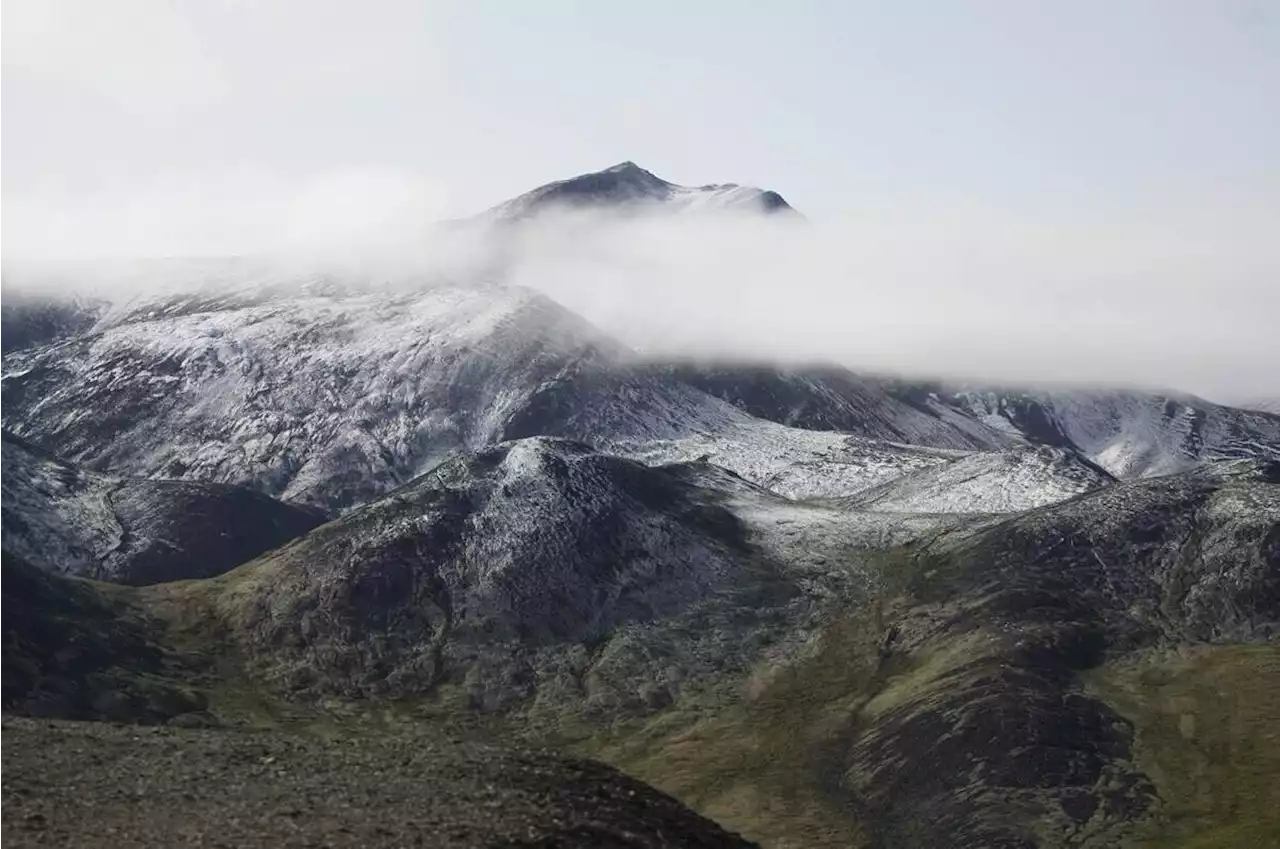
point(627, 184)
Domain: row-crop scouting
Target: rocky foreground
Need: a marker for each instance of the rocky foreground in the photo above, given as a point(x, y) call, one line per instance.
point(94, 784)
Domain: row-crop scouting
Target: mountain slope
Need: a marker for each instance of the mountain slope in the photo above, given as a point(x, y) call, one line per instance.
point(325, 395)
point(1130, 434)
point(28, 319)
point(1003, 623)
point(70, 784)
point(989, 482)
point(728, 644)
point(330, 393)
point(73, 653)
point(485, 570)
point(834, 398)
point(63, 519)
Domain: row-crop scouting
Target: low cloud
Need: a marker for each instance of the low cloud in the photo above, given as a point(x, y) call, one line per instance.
point(1171, 294)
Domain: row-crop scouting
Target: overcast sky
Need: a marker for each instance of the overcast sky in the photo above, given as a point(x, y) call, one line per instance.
point(1140, 136)
point(1039, 106)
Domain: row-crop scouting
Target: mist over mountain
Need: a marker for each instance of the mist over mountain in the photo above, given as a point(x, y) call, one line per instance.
point(970, 294)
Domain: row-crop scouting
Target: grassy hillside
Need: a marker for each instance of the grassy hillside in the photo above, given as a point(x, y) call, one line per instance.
point(1207, 723)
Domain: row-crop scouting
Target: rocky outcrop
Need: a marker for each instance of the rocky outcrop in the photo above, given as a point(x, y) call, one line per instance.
point(488, 571)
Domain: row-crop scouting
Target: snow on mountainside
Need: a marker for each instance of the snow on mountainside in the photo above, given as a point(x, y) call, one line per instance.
point(329, 392)
point(628, 184)
point(328, 396)
point(63, 519)
point(333, 389)
point(794, 463)
point(989, 482)
point(1262, 405)
point(834, 398)
point(1130, 434)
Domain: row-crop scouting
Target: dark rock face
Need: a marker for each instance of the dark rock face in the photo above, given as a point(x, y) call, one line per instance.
point(522, 547)
point(64, 519)
point(206, 528)
point(71, 653)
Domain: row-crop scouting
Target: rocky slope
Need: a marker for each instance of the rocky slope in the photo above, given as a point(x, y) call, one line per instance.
point(834, 398)
point(64, 519)
point(990, 482)
point(87, 784)
point(493, 575)
point(1130, 434)
point(330, 393)
point(860, 678)
point(1003, 621)
point(318, 394)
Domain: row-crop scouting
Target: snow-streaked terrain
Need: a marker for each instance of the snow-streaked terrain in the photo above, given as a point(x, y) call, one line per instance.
point(789, 461)
point(330, 396)
point(989, 482)
point(827, 397)
point(334, 388)
point(1130, 434)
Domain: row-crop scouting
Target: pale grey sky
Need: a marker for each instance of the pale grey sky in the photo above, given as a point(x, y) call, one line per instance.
point(1030, 105)
point(1119, 156)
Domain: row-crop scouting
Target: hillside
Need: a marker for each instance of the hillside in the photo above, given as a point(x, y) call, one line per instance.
point(64, 519)
point(73, 784)
point(410, 560)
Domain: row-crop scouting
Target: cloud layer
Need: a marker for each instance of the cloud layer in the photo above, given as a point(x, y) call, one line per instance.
point(1174, 294)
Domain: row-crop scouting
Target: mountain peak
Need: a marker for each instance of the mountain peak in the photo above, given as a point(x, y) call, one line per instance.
point(627, 183)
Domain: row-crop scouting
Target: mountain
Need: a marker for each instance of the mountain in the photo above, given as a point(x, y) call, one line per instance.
point(1130, 434)
point(328, 393)
point(990, 482)
point(723, 642)
point(64, 519)
point(823, 608)
point(489, 574)
point(1261, 405)
point(835, 398)
point(1018, 632)
point(323, 395)
point(627, 185)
